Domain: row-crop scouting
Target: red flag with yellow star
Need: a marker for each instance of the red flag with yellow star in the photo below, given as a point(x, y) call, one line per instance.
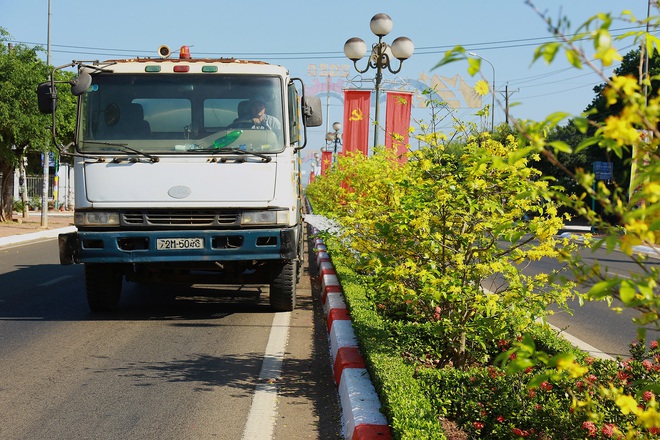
point(397, 122)
point(356, 121)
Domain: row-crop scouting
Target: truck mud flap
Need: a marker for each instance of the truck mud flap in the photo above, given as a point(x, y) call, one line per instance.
point(68, 245)
point(288, 244)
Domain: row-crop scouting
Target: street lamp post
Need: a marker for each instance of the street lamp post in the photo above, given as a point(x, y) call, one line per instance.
point(334, 137)
point(402, 48)
point(492, 110)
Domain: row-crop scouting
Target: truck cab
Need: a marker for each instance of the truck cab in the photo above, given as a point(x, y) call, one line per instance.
point(187, 170)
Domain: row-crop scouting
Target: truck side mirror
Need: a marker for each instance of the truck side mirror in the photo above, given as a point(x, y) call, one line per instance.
point(80, 84)
point(47, 97)
point(311, 108)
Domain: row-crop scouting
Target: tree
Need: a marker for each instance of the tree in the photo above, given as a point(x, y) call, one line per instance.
point(21, 124)
point(623, 122)
point(599, 110)
point(436, 229)
point(625, 126)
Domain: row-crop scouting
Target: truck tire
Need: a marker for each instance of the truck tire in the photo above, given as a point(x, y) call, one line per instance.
point(283, 287)
point(103, 284)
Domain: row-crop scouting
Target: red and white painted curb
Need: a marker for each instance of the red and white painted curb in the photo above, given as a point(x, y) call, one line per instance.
point(360, 406)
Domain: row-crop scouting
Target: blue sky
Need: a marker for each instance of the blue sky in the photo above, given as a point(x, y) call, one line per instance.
point(305, 36)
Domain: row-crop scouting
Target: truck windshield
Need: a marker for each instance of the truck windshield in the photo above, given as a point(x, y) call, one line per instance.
point(164, 113)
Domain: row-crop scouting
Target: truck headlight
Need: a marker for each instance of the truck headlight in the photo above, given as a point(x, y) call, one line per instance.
point(265, 218)
point(97, 218)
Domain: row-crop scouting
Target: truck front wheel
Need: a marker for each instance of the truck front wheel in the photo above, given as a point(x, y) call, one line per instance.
point(283, 287)
point(103, 284)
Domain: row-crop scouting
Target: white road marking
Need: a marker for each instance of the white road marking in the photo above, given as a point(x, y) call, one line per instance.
point(54, 281)
point(263, 412)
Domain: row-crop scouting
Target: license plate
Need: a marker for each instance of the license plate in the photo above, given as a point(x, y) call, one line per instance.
point(163, 244)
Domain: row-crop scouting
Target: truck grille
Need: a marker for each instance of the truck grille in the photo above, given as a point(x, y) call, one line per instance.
point(179, 218)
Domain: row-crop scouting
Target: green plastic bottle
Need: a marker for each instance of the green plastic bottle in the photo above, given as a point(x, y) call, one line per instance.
point(227, 139)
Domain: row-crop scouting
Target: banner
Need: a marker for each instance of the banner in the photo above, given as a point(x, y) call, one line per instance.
point(326, 161)
point(356, 121)
point(397, 122)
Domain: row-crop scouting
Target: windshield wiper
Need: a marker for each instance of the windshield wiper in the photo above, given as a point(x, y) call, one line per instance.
point(235, 151)
point(126, 148)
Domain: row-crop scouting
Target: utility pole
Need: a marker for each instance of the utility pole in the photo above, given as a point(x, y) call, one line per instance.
point(44, 188)
point(506, 96)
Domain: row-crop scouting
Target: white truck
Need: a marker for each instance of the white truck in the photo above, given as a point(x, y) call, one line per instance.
point(175, 182)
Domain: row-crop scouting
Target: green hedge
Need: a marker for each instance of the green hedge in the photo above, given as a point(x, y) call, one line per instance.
point(416, 398)
point(409, 412)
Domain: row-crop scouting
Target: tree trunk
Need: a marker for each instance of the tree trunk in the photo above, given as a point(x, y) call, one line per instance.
point(459, 361)
point(6, 197)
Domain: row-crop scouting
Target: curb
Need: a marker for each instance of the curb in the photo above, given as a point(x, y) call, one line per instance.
point(48, 233)
point(359, 402)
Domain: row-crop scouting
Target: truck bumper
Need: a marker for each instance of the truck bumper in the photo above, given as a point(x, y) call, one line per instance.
point(141, 246)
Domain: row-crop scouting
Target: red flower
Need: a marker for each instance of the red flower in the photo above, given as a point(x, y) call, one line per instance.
point(591, 427)
point(647, 364)
point(501, 419)
point(608, 430)
point(532, 393)
point(654, 345)
point(545, 386)
point(648, 395)
point(520, 432)
point(478, 425)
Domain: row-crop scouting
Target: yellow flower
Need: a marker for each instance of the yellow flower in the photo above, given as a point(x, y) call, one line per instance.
point(608, 56)
point(652, 192)
point(649, 418)
point(481, 87)
point(627, 84)
point(620, 130)
point(574, 369)
point(627, 404)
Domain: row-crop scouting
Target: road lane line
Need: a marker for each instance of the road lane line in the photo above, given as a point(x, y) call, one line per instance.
point(263, 411)
point(54, 281)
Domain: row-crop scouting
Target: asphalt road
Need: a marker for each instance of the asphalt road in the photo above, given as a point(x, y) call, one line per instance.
point(172, 363)
point(594, 323)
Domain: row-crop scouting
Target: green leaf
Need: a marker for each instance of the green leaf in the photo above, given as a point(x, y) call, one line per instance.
point(602, 289)
point(574, 58)
point(519, 364)
point(586, 143)
point(548, 51)
point(627, 292)
point(538, 380)
point(561, 146)
point(452, 55)
point(474, 65)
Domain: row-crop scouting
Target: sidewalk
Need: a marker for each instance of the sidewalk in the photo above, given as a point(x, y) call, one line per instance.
point(28, 229)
